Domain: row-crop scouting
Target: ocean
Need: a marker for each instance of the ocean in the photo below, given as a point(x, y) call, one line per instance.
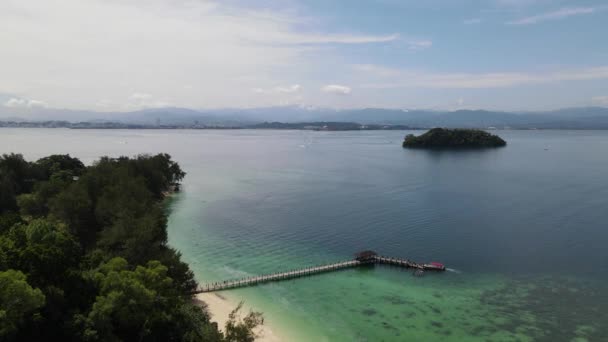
point(523, 229)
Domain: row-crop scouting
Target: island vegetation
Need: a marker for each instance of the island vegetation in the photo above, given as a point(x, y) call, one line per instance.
point(453, 138)
point(84, 255)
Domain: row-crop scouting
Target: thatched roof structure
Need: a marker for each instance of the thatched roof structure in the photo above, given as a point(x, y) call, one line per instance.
point(365, 255)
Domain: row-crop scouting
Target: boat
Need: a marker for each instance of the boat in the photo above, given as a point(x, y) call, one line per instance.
point(434, 266)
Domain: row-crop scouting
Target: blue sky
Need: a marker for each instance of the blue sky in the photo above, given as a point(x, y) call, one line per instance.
point(450, 54)
point(477, 36)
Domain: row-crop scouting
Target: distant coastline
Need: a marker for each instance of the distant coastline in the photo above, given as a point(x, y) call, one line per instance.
point(310, 126)
point(297, 117)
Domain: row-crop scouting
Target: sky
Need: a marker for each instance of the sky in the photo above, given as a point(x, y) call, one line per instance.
point(123, 55)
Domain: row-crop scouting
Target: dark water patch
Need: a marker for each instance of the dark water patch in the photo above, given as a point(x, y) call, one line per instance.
point(387, 326)
point(396, 300)
point(421, 310)
point(435, 310)
point(477, 330)
point(547, 309)
point(437, 324)
point(369, 312)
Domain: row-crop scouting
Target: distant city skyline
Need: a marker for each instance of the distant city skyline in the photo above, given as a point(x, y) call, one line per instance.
point(446, 55)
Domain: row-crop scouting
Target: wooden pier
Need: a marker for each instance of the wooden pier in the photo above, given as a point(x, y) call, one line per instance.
point(362, 258)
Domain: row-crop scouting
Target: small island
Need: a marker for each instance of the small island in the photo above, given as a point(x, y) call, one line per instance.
point(453, 138)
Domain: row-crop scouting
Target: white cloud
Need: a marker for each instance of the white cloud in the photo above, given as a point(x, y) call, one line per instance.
point(103, 104)
point(294, 88)
point(376, 70)
point(206, 54)
point(562, 13)
point(336, 89)
point(600, 100)
point(289, 89)
point(14, 103)
point(327, 39)
point(143, 100)
point(472, 21)
point(36, 103)
point(417, 45)
point(108, 48)
point(141, 97)
point(413, 78)
point(23, 103)
point(517, 3)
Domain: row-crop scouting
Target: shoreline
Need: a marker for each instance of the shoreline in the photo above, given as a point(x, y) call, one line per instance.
point(220, 306)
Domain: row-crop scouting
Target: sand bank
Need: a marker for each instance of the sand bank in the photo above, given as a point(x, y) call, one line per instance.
point(220, 307)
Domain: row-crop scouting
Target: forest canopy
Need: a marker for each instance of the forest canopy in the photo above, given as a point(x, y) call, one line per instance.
point(453, 138)
point(84, 254)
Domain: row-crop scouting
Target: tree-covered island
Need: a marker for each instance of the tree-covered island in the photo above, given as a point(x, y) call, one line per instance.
point(453, 138)
point(84, 255)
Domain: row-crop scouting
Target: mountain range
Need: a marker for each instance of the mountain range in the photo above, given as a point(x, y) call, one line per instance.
point(569, 118)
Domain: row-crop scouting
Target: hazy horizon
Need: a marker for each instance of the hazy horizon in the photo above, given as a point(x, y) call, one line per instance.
point(34, 108)
point(202, 110)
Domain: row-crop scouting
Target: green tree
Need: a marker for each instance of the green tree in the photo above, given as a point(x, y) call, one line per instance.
point(131, 305)
point(453, 138)
point(241, 329)
point(159, 171)
point(44, 250)
point(14, 167)
point(73, 206)
point(36, 204)
point(15, 178)
point(18, 302)
point(61, 165)
point(179, 271)
point(7, 193)
point(8, 219)
point(93, 241)
point(133, 224)
point(30, 205)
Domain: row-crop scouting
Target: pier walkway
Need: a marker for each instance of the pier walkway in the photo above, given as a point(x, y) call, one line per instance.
point(362, 258)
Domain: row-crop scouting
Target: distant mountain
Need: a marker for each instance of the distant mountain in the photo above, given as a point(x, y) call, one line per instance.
point(576, 118)
point(579, 118)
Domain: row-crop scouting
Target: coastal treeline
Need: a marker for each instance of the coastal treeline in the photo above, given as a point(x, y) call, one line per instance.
point(84, 255)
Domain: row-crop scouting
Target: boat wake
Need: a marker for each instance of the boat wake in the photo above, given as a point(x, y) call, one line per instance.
point(452, 270)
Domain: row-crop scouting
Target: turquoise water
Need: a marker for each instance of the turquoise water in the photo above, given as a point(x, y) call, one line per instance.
point(523, 227)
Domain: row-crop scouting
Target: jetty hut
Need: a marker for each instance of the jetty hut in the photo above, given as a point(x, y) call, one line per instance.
point(366, 256)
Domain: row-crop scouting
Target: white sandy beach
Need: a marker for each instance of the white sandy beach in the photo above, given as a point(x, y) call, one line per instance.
point(220, 307)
